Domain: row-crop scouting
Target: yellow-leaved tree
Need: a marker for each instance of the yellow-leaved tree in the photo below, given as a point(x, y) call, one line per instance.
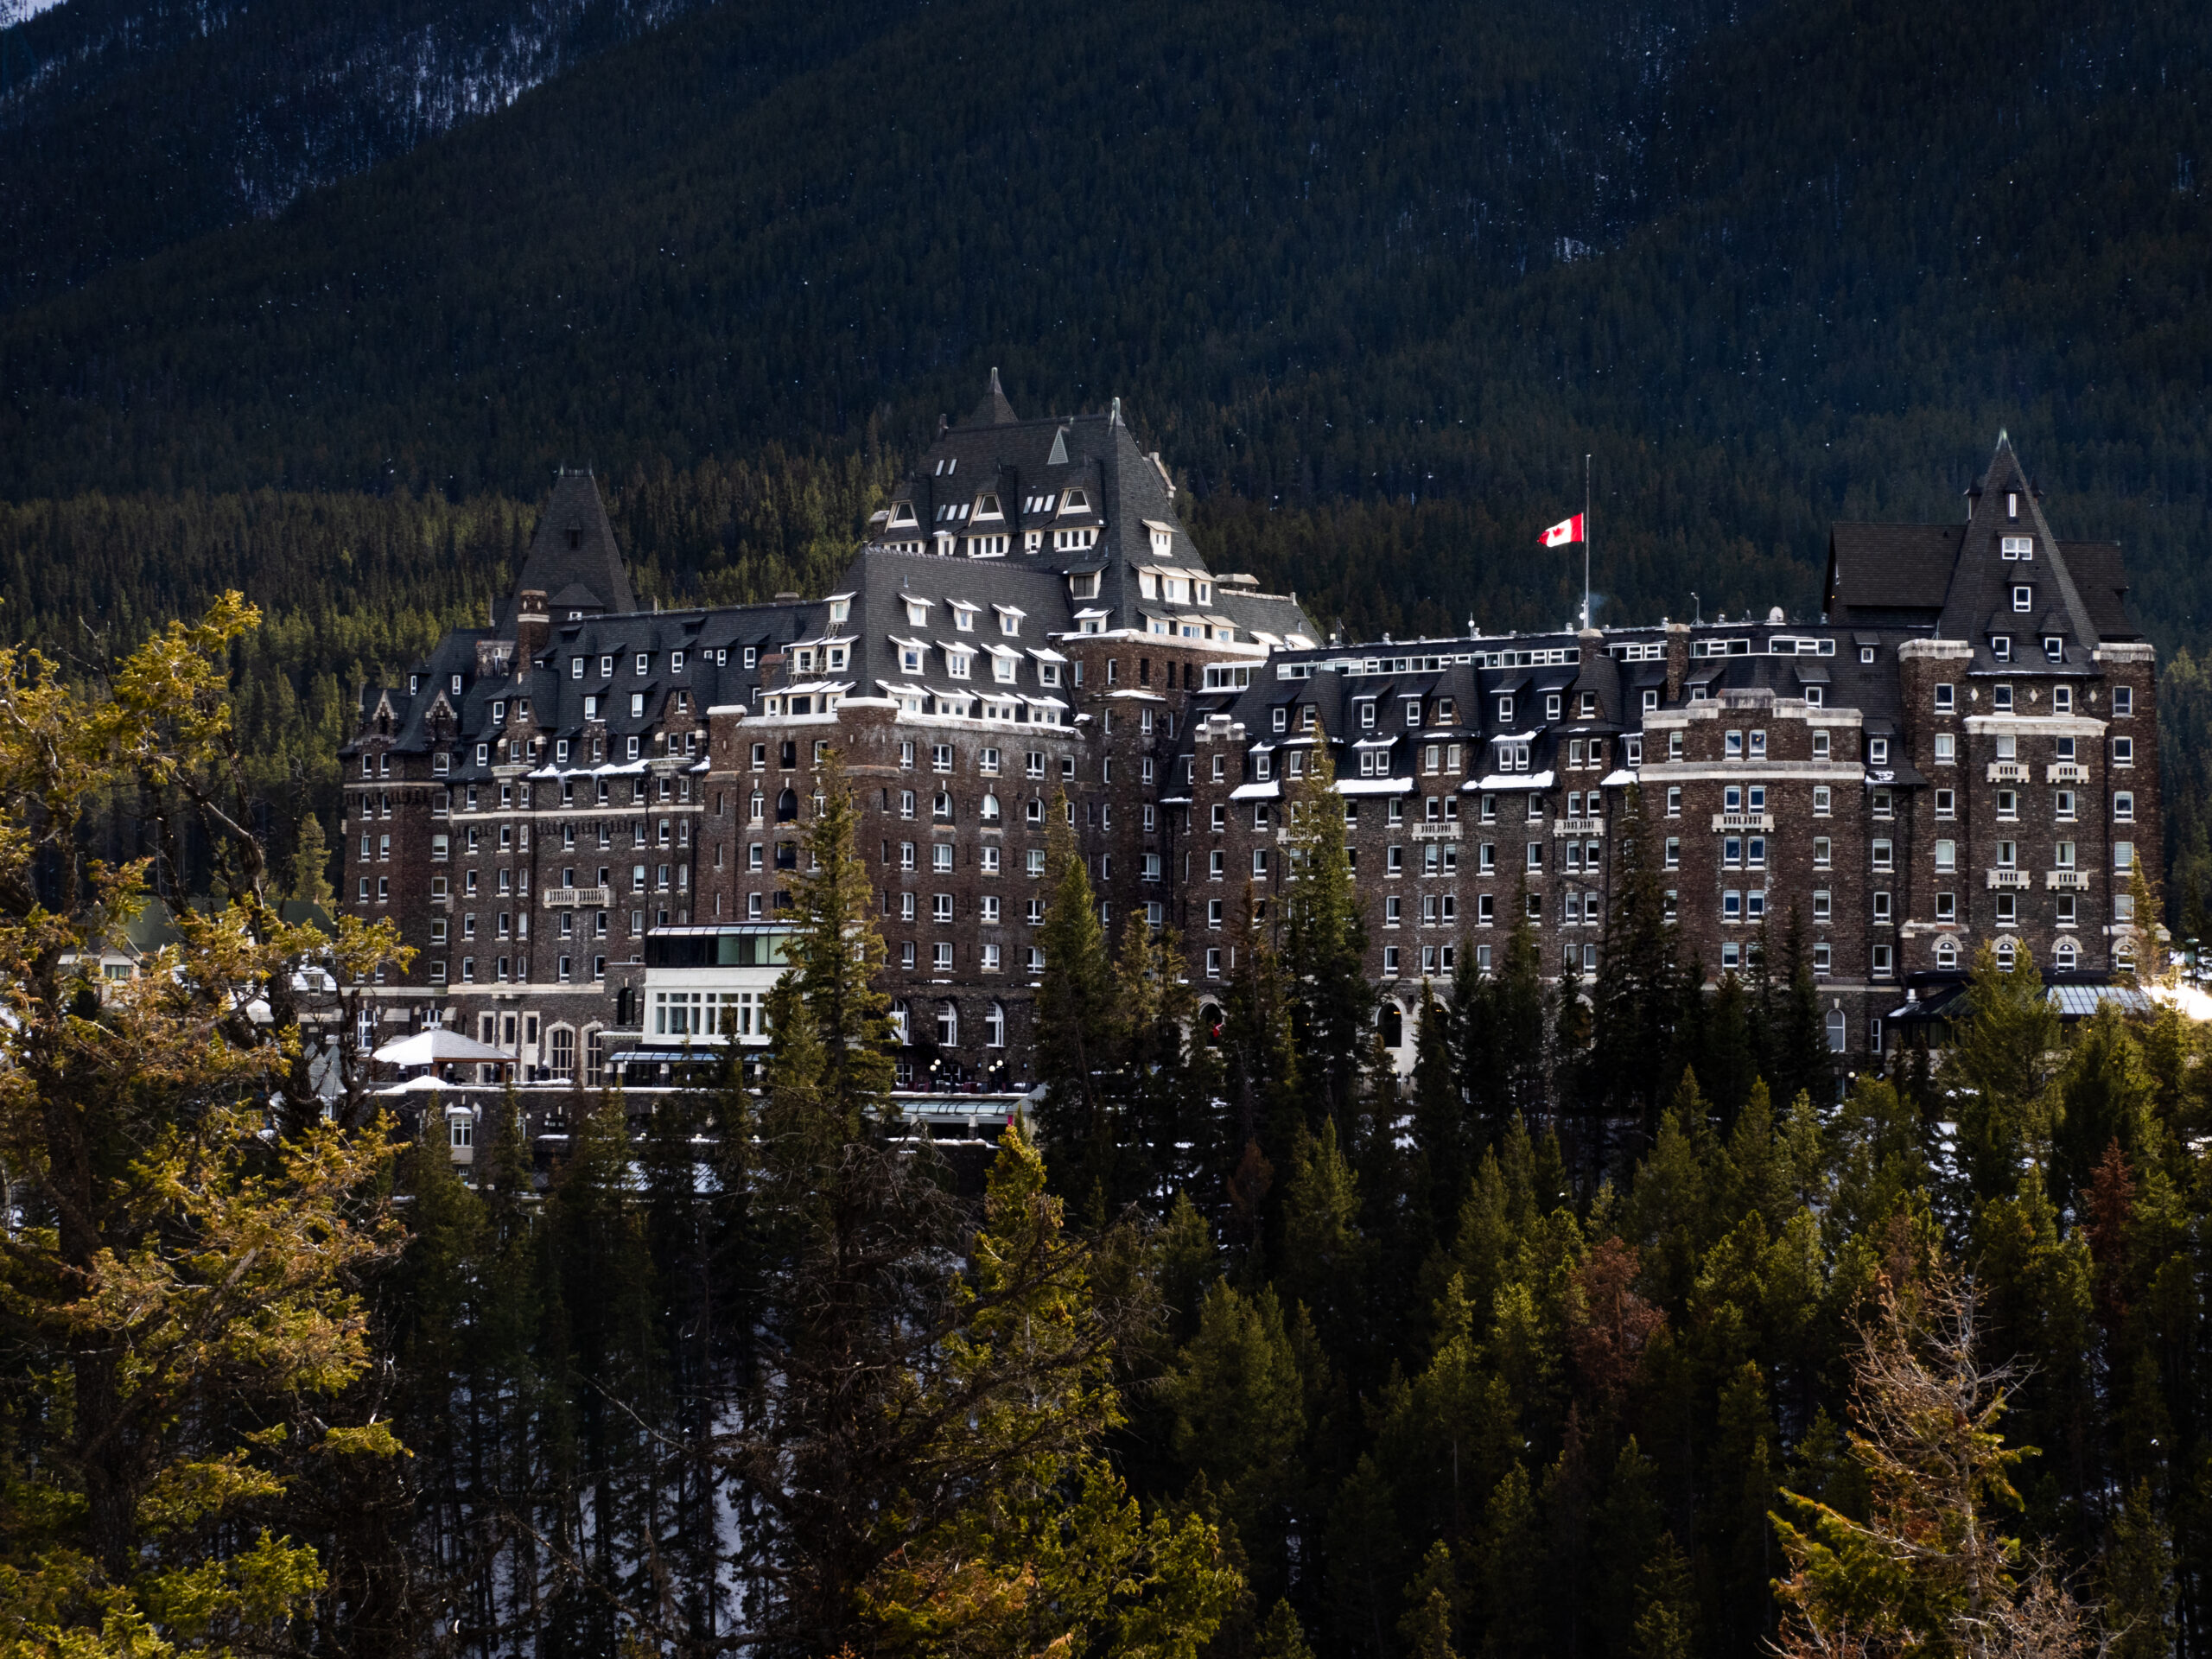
point(179, 1321)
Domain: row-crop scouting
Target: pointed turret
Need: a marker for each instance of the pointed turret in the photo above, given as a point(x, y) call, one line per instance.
point(573, 559)
point(993, 410)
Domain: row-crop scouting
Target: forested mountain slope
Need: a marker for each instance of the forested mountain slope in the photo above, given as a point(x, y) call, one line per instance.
point(1373, 281)
point(126, 125)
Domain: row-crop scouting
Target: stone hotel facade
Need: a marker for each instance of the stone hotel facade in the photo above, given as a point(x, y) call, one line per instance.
point(586, 817)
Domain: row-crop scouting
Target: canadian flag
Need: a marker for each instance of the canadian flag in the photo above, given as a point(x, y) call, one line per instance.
point(1568, 530)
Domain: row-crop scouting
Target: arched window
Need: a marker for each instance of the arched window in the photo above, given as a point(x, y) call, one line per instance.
point(561, 1051)
point(1947, 955)
point(990, 809)
point(787, 806)
point(759, 806)
point(947, 1025)
point(994, 1026)
point(1839, 1030)
point(902, 1021)
point(2123, 959)
point(1210, 1024)
point(941, 807)
point(594, 1058)
point(2006, 951)
point(1393, 1026)
point(2064, 957)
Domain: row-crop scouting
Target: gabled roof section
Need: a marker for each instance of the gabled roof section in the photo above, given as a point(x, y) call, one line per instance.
point(572, 555)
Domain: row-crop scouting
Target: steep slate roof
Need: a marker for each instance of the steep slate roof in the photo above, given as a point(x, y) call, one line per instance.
point(573, 559)
point(1892, 574)
point(1954, 579)
point(1126, 493)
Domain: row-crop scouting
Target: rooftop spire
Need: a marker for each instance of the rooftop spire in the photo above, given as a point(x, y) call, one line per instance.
point(993, 410)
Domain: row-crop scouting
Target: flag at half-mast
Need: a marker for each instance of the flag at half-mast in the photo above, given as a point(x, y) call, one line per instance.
point(1568, 530)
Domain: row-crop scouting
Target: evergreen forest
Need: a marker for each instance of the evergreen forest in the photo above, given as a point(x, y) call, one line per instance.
point(1622, 1325)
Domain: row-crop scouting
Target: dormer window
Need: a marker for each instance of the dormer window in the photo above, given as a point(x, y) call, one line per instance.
point(2016, 548)
point(676, 662)
point(499, 714)
point(607, 668)
point(2011, 504)
point(963, 616)
point(2053, 648)
point(1148, 584)
point(1204, 591)
point(2024, 599)
point(1009, 620)
point(1367, 716)
point(918, 613)
point(1083, 585)
point(457, 685)
point(987, 506)
point(1163, 540)
point(644, 662)
point(1505, 711)
point(902, 513)
point(1075, 501)
point(841, 611)
point(2000, 647)
point(1413, 711)
point(1551, 706)
point(1877, 751)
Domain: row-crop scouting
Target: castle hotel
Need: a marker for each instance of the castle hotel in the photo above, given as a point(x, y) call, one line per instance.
point(586, 817)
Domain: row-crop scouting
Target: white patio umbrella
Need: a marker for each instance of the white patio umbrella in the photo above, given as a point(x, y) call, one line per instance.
point(435, 1047)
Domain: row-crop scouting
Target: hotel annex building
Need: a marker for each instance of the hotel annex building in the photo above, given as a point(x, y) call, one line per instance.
point(585, 817)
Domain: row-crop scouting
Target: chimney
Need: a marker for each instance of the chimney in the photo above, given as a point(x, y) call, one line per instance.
point(533, 627)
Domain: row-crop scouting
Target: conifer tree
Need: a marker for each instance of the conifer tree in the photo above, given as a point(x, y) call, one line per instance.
point(1929, 1568)
point(1075, 1021)
point(311, 863)
point(2001, 1067)
point(1039, 1544)
point(1632, 997)
point(1325, 948)
point(1440, 1126)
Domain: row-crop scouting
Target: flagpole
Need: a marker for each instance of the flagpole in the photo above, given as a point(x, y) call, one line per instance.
point(1585, 541)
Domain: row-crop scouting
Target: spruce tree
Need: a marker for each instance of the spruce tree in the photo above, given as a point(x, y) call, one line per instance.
point(2000, 1066)
point(1325, 948)
point(1632, 998)
point(1076, 1018)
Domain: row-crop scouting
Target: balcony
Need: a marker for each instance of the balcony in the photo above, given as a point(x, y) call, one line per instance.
point(1753, 821)
point(2066, 880)
point(2007, 879)
point(1578, 827)
point(573, 898)
point(2007, 771)
point(1445, 831)
point(2066, 771)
